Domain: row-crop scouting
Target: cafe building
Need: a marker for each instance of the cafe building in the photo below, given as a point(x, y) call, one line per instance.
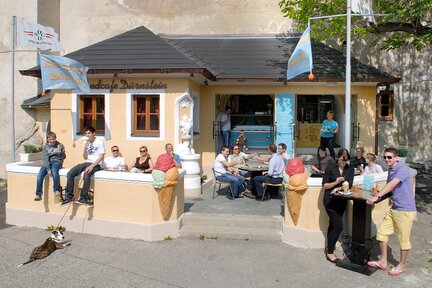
point(145, 87)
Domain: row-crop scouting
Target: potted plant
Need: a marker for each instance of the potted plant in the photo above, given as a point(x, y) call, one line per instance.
point(31, 153)
point(402, 153)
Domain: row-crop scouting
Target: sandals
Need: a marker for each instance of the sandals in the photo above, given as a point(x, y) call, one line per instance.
point(395, 271)
point(336, 260)
point(376, 264)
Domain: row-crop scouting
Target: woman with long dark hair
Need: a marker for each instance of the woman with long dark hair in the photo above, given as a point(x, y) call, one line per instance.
point(333, 178)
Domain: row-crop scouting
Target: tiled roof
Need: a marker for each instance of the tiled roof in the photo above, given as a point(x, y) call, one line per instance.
point(216, 58)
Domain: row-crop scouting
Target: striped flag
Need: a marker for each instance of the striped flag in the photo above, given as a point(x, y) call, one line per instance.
point(36, 35)
point(301, 59)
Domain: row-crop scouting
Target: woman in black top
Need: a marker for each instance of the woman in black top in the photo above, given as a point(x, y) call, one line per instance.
point(333, 178)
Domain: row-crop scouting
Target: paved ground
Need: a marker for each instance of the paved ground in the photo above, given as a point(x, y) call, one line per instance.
point(94, 261)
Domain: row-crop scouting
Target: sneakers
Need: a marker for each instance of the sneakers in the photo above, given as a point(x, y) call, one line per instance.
point(38, 198)
point(57, 197)
point(66, 201)
point(84, 201)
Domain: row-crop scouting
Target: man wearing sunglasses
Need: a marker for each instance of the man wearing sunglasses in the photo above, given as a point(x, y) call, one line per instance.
point(116, 162)
point(401, 215)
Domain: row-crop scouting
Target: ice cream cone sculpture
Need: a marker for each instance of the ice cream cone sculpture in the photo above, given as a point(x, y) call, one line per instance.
point(165, 177)
point(297, 186)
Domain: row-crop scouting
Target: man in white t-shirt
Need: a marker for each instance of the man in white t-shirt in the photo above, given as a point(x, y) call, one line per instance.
point(282, 151)
point(93, 154)
point(116, 162)
point(225, 172)
point(224, 120)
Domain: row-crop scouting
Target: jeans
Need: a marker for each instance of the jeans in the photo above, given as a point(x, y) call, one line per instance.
point(234, 180)
point(75, 171)
point(55, 167)
point(259, 180)
point(226, 138)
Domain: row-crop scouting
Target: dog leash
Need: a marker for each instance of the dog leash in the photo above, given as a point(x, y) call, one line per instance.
point(64, 214)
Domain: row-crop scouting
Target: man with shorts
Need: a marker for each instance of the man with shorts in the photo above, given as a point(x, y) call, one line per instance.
point(400, 217)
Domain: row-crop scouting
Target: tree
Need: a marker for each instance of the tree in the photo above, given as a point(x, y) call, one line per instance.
point(408, 25)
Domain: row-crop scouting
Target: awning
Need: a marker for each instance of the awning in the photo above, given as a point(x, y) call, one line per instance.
point(37, 102)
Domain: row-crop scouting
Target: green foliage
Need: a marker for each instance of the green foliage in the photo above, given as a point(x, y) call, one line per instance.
point(402, 151)
point(168, 238)
point(202, 237)
point(29, 148)
point(52, 228)
point(408, 25)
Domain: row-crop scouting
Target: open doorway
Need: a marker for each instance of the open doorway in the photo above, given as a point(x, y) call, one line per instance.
point(252, 113)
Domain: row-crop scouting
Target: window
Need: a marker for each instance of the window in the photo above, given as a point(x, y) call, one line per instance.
point(92, 112)
point(146, 115)
point(385, 105)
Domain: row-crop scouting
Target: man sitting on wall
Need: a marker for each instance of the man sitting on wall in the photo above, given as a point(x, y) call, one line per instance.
point(116, 162)
point(225, 172)
point(170, 151)
point(93, 154)
point(274, 174)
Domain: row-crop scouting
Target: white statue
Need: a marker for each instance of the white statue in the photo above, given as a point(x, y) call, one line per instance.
point(186, 125)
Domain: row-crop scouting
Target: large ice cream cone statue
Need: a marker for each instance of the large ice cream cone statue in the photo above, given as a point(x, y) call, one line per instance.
point(166, 193)
point(165, 177)
point(297, 186)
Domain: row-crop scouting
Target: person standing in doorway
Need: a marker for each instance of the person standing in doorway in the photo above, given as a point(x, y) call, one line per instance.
point(224, 120)
point(328, 131)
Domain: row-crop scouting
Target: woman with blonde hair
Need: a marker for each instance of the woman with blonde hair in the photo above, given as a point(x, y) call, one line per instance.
point(142, 164)
point(372, 167)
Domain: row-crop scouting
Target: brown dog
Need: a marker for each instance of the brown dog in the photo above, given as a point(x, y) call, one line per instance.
point(54, 242)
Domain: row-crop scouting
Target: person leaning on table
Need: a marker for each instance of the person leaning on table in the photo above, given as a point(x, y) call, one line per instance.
point(333, 178)
point(400, 217)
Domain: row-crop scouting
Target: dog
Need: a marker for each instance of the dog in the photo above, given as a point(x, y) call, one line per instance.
point(54, 242)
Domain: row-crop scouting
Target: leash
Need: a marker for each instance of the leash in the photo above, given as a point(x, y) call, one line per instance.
point(68, 206)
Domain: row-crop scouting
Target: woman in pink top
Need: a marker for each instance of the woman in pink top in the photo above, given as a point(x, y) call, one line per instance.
point(372, 167)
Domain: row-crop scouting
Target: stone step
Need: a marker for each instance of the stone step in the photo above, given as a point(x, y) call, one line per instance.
point(230, 220)
point(218, 232)
point(227, 226)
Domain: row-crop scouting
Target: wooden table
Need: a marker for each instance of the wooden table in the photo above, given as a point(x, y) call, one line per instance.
point(361, 242)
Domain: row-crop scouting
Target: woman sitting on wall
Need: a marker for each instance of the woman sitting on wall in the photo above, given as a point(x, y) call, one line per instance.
point(142, 164)
point(320, 162)
point(372, 167)
point(333, 178)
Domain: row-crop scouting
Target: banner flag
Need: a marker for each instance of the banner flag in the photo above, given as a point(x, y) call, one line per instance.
point(60, 73)
point(36, 35)
point(363, 7)
point(301, 59)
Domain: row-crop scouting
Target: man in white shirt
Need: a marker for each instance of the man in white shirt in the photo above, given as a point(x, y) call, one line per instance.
point(274, 174)
point(225, 172)
point(224, 120)
point(93, 154)
point(282, 151)
point(116, 162)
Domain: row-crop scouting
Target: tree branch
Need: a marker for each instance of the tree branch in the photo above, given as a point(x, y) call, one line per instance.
point(401, 27)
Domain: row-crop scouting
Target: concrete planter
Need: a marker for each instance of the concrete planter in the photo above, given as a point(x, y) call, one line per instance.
point(29, 157)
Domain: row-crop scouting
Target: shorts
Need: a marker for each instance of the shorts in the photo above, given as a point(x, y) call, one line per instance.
point(399, 222)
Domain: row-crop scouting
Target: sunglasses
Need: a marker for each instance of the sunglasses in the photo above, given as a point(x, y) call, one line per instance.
point(143, 150)
point(236, 149)
point(388, 157)
point(116, 150)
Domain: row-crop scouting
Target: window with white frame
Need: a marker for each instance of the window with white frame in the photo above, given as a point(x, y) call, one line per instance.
point(146, 115)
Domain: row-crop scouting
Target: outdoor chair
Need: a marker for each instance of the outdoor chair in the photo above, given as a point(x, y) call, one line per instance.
point(217, 182)
point(279, 185)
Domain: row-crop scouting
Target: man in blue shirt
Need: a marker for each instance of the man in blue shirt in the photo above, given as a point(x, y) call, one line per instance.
point(400, 217)
point(274, 174)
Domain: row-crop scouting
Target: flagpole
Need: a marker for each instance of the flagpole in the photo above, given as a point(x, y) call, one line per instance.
point(347, 132)
point(13, 88)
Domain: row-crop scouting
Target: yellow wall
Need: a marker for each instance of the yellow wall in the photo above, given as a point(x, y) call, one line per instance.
point(204, 144)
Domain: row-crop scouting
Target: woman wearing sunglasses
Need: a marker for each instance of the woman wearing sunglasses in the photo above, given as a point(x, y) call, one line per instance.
point(333, 178)
point(142, 164)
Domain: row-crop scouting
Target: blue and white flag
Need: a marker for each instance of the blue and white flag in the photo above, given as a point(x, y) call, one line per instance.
point(301, 59)
point(36, 35)
point(61, 73)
